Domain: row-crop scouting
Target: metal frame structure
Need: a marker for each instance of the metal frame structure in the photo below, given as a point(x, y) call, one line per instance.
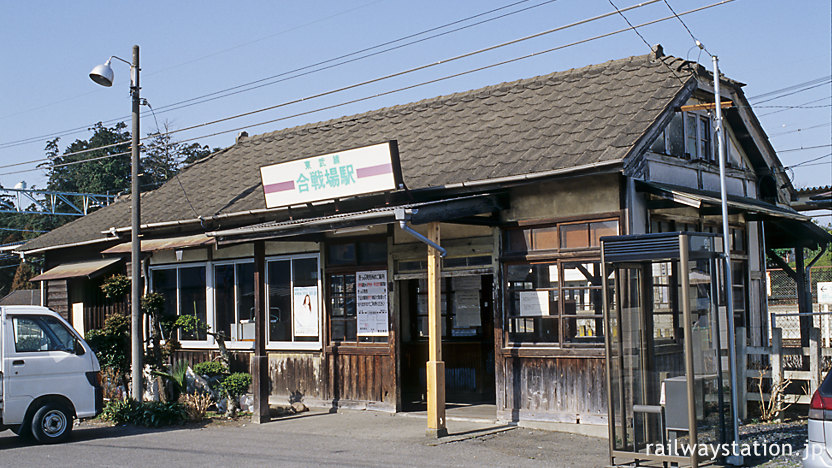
point(52, 202)
point(640, 251)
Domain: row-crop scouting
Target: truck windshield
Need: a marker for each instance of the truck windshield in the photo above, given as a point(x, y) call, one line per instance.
point(41, 333)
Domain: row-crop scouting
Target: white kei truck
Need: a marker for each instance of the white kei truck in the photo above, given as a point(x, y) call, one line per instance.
point(49, 374)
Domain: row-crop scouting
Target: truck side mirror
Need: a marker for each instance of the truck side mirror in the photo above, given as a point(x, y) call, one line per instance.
point(79, 348)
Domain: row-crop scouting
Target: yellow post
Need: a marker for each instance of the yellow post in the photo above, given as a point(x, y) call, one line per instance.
point(435, 365)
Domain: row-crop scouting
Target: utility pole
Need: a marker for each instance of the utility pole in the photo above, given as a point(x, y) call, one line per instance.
point(735, 459)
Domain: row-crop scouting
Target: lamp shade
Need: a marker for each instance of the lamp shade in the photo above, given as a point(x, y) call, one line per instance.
point(102, 74)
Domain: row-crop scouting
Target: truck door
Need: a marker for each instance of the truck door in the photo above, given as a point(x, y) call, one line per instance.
point(40, 360)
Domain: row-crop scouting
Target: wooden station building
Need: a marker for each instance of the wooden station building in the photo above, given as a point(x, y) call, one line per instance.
point(517, 181)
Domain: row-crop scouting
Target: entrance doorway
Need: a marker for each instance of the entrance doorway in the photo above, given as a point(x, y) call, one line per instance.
point(467, 340)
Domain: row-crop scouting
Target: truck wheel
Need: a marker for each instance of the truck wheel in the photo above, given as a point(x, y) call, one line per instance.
point(51, 424)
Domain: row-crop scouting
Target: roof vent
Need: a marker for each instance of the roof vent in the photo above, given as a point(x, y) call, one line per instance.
point(657, 52)
point(241, 136)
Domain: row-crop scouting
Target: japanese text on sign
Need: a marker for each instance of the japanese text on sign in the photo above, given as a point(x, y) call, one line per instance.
point(371, 302)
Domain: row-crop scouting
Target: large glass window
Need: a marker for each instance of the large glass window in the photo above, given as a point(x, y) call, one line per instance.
point(234, 300)
point(293, 299)
point(184, 290)
point(555, 303)
point(357, 291)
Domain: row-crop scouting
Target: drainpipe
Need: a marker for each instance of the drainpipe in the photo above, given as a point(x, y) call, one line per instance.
point(402, 216)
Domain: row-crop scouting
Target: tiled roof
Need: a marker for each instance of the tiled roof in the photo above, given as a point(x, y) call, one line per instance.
point(566, 119)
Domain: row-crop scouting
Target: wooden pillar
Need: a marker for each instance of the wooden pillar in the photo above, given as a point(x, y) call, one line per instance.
point(742, 371)
point(435, 365)
point(260, 377)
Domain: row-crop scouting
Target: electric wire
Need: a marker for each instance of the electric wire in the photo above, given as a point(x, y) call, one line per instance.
point(443, 78)
point(178, 104)
point(440, 62)
point(803, 148)
point(206, 56)
point(791, 87)
point(793, 92)
point(696, 41)
point(800, 129)
point(809, 161)
point(635, 30)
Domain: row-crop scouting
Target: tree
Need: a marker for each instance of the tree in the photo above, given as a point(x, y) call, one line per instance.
point(106, 175)
point(165, 157)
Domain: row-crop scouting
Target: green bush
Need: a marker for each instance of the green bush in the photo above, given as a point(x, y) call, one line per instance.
point(236, 384)
point(210, 368)
point(116, 287)
point(145, 413)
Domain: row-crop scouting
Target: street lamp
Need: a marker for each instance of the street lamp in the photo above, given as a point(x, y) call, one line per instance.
point(103, 75)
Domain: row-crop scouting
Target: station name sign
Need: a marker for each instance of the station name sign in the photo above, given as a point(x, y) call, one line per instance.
point(329, 176)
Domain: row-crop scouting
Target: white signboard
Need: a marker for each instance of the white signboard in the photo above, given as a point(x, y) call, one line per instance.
point(534, 303)
point(824, 292)
point(371, 302)
point(305, 308)
point(329, 176)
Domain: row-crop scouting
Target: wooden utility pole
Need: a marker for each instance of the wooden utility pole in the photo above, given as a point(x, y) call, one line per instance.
point(260, 379)
point(435, 365)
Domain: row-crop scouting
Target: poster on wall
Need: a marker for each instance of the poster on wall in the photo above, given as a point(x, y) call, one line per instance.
point(534, 303)
point(305, 307)
point(371, 302)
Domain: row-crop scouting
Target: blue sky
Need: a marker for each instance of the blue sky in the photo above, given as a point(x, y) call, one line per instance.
point(190, 49)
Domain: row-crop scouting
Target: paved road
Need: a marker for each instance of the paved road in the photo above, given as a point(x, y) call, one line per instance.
point(314, 439)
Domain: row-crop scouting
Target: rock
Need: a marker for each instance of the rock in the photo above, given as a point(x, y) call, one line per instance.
point(247, 402)
point(195, 383)
point(299, 407)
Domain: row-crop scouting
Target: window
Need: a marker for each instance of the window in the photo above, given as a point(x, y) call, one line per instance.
point(357, 287)
point(41, 333)
point(460, 307)
point(293, 299)
point(665, 305)
point(184, 290)
point(234, 300)
point(570, 235)
point(698, 136)
point(555, 303)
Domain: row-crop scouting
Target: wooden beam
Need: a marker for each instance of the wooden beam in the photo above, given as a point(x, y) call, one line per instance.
point(260, 377)
point(435, 366)
point(706, 106)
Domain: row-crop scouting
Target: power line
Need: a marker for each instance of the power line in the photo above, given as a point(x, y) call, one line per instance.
point(169, 107)
point(791, 87)
point(393, 75)
point(205, 56)
point(803, 163)
point(352, 101)
point(650, 47)
point(802, 148)
point(794, 92)
point(801, 129)
point(801, 104)
point(695, 40)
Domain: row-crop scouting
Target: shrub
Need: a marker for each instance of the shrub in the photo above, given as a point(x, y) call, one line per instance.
point(236, 384)
point(116, 286)
point(119, 411)
point(210, 368)
point(145, 413)
point(176, 377)
point(197, 405)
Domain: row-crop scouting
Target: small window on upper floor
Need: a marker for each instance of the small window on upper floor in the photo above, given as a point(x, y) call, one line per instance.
point(698, 136)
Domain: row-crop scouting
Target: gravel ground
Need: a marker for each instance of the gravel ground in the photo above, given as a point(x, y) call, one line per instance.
point(787, 434)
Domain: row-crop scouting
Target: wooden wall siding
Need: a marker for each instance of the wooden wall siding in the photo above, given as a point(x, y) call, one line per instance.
point(297, 376)
point(554, 389)
point(57, 297)
point(362, 379)
point(96, 314)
